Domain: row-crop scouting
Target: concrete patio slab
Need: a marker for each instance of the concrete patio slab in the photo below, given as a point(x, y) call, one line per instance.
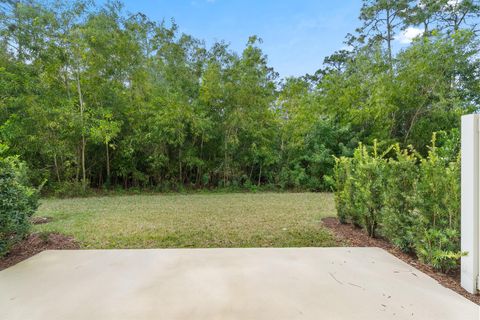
point(297, 283)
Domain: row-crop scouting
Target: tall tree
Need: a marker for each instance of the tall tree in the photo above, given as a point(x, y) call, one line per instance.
point(382, 19)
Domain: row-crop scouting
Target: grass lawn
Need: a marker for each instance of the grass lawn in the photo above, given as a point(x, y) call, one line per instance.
point(193, 220)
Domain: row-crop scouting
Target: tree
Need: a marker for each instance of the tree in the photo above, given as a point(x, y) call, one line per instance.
point(455, 14)
point(92, 96)
point(382, 20)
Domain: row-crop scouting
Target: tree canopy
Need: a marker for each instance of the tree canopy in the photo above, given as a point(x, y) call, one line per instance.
point(92, 96)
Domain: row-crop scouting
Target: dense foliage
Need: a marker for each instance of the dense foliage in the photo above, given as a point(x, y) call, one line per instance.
point(93, 96)
point(18, 202)
point(412, 201)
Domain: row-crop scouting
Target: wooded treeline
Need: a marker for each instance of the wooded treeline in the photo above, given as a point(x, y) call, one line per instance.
point(92, 96)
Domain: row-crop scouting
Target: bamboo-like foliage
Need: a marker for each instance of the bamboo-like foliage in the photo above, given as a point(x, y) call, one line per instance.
point(412, 201)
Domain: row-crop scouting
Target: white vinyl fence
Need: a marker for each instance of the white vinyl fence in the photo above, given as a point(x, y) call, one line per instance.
point(470, 202)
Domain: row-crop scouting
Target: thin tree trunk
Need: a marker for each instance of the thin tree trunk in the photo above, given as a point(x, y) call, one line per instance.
point(199, 168)
point(414, 119)
point(259, 175)
point(77, 171)
point(225, 161)
point(180, 166)
point(108, 163)
point(389, 38)
point(56, 167)
point(82, 108)
point(425, 28)
point(67, 85)
point(251, 171)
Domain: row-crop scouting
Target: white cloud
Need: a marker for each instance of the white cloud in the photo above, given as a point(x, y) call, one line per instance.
point(409, 34)
point(453, 3)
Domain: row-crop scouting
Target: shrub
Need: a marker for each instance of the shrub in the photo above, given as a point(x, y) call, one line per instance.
point(360, 183)
point(369, 184)
point(398, 212)
point(438, 204)
point(17, 202)
point(69, 189)
point(439, 248)
point(343, 183)
point(413, 202)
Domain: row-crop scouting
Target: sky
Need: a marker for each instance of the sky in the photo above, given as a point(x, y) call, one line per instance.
point(297, 34)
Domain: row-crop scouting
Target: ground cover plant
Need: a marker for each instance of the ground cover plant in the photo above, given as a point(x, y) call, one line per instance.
point(192, 220)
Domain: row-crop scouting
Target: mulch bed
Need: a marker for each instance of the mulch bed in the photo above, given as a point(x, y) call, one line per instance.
point(34, 244)
point(355, 237)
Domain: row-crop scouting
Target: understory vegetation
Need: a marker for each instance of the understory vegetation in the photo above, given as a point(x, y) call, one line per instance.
point(18, 202)
point(412, 201)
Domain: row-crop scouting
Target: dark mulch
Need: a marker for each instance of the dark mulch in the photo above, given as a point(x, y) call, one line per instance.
point(35, 243)
point(355, 237)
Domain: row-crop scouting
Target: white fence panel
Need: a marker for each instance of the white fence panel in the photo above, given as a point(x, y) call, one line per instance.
point(470, 202)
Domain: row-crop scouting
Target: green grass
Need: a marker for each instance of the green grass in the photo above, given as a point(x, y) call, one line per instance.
point(195, 220)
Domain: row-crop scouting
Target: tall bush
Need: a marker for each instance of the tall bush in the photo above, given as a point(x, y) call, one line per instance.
point(438, 204)
point(398, 209)
point(344, 186)
point(369, 184)
point(18, 202)
point(413, 202)
point(360, 184)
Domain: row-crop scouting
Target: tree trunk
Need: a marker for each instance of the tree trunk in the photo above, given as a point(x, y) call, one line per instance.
point(56, 167)
point(259, 175)
point(77, 171)
point(108, 163)
point(180, 166)
point(389, 37)
point(225, 161)
point(251, 171)
point(412, 123)
point(82, 108)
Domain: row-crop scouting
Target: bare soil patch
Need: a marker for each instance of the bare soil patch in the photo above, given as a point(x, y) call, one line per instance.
point(35, 243)
point(350, 235)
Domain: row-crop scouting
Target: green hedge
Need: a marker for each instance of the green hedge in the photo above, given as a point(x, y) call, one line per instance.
point(412, 201)
point(17, 202)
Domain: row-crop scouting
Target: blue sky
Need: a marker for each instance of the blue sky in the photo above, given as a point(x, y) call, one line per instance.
point(297, 34)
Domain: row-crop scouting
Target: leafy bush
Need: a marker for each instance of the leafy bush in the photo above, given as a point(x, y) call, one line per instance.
point(398, 212)
point(413, 202)
point(343, 184)
point(360, 183)
point(438, 206)
point(17, 202)
point(369, 185)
